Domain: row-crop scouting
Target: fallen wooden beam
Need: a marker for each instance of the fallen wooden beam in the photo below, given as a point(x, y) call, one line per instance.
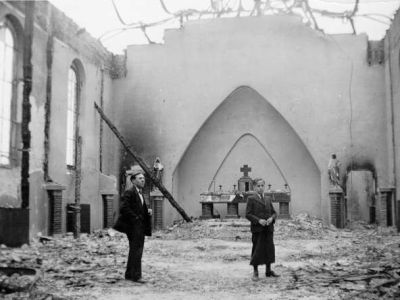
point(141, 162)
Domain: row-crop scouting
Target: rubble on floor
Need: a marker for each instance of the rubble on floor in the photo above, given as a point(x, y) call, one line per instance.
point(359, 263)
point(301, 226)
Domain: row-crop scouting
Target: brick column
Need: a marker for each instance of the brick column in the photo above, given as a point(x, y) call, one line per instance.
point(284, 210)
point(158, 212)
point(233, 210)
point(207, 210)
point(108, 207)
point(108, 213)
point(385, 198)
point(157, 204)
point(337, 207)
point(54, 193)
point(283, 198)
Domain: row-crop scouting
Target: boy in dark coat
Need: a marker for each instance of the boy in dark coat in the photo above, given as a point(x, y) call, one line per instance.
point(135, 221)
point(262, 215)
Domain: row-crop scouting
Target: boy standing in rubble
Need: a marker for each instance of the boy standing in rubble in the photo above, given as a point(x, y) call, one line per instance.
point(262, 215)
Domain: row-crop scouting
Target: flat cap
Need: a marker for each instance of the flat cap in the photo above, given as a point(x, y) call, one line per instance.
point(134, 170)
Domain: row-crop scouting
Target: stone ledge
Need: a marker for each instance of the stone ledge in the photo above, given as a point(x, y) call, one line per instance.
point(52, 186)
point(156, 193)
point(386, 189)
point(108, 192)
point(336, 190)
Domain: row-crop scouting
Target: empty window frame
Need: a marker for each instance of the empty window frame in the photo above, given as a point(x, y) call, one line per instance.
point(8, 55)
point(72, 116)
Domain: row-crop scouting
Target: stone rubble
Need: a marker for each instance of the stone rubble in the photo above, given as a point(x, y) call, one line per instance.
point(362, 262)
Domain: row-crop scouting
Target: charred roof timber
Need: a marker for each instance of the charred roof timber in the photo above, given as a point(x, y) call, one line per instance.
point(66, 30)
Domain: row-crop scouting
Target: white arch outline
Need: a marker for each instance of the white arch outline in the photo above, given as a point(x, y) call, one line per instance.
point(234, 145)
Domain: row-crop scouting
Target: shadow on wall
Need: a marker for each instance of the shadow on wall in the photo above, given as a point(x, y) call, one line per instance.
point(359, 165)
point(247, 117)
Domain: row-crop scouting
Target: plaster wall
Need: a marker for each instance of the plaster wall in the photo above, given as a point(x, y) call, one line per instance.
point(321, 85)
point(111, 149)
point(37, 204)
point(246, 123)
point(10, 175)
point(92, 57)
point(392, 75)
point(89, 130)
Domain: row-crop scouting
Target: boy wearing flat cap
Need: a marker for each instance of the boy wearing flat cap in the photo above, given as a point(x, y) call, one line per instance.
point(135, 221)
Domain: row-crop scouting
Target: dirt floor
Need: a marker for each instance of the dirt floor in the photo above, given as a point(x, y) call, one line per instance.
point(210, 260)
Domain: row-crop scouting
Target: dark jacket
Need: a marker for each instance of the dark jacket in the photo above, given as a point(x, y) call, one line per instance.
point(258, 208)
point(134, 217)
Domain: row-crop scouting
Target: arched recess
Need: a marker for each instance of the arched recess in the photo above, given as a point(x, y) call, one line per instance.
point(77, 65)
point(75, 83)
point(246, 113)
point(17, 28)
point(256, 144)
point(11, 37)
point(79, 70)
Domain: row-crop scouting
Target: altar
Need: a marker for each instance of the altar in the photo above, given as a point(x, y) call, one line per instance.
point(235, 196)
point(209, 199)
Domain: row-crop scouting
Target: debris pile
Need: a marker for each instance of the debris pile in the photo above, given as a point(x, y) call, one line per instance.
point(228, 229)
point(65, 262)
point(367, 280)
point(17, 279)
point(301, 226)
point(360, 263)
point(367, 266)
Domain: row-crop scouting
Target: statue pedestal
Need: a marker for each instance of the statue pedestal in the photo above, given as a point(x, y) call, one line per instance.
point(108, 207)
point(284, 210)
point(157, 204)
point(386, 207)
point(283, 198)
point(337, 207)
point(54, 193)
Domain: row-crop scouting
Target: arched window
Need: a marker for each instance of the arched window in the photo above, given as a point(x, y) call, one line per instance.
point(72, 115)
point(8, 54)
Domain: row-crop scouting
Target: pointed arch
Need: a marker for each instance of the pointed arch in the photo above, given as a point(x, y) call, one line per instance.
point(11, 35)
point(236, 90)
point(233, 147)
point(282, 154)
point(76, 77)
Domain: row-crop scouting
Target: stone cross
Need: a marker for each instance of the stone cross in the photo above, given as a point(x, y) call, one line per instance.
point(245, 169)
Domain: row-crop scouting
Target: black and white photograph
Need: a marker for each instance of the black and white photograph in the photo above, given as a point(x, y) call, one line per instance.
point(199, 149)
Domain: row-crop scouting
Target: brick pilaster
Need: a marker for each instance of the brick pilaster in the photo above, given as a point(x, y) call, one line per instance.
point(108, 210)
point(55, 196)
point(337, 208)
point(284, 210)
